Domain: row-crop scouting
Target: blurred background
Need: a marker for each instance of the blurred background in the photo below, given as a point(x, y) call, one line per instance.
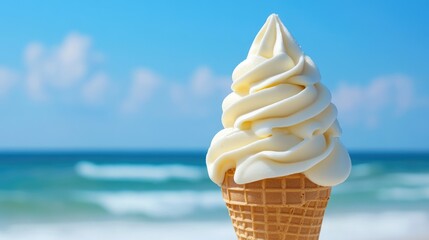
point(107, 110)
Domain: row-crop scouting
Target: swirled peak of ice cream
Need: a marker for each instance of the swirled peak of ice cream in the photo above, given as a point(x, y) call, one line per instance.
point(279, 119)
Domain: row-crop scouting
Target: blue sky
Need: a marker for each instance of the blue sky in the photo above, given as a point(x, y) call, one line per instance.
point(153, 74)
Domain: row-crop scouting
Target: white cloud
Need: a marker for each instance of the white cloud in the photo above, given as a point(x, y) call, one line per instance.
point(391, 94)
point(61, 66)
point(144, 83)
point(204, 83)
point(94, 89)
point(7, 79)
point(203, 86)
point(193, 96)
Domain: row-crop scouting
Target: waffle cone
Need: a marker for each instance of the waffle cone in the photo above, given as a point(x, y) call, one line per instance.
point(284, 208)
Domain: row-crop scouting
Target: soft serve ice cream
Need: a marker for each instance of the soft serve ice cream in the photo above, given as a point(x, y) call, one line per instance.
point(279, 119)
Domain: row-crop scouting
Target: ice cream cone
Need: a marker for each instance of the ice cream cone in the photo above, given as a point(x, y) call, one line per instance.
point(284, 208)
point(280, 131)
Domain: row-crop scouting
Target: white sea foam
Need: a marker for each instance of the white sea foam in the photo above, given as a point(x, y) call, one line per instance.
point(403, 194)
point(119, 230)
point(390, 183)
point(369, 226)
point(161, 204)
point(391, 225)
point(139, 171)
point(410, 179)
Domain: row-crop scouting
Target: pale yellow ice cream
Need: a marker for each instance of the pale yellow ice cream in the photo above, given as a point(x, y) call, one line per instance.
point(279, 119)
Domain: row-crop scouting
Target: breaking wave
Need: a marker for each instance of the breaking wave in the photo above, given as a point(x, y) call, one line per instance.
point(143, 172)
point(157, 204)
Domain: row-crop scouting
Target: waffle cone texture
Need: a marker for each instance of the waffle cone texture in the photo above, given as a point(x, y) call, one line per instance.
point(284, 208)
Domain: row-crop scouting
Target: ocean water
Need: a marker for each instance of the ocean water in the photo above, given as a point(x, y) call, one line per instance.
point(168, 195)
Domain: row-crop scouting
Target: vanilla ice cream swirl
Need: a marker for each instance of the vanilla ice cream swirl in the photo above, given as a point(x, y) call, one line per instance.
point(279, 119)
